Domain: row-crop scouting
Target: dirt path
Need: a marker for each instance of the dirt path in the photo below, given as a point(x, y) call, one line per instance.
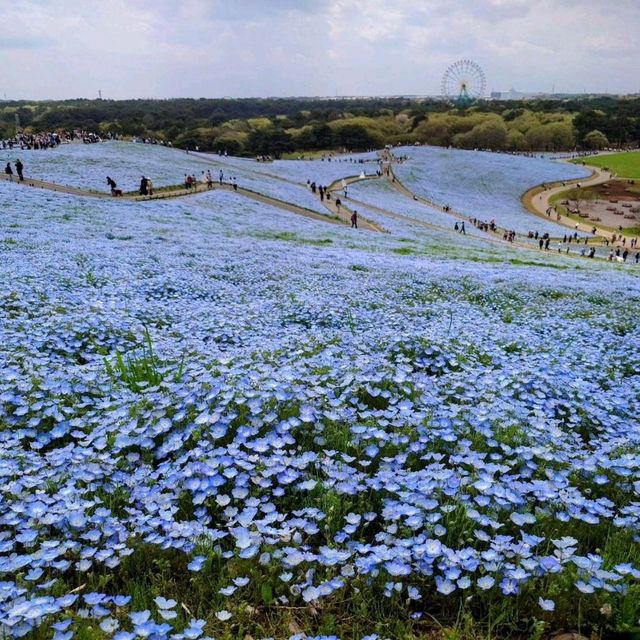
point(393, 180)
point(179, 193)
point(52, 186)
point(345, 211)
point(538, 200)
point(430, 225)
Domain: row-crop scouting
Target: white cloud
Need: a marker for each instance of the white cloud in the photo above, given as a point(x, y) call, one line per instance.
point(161, 48)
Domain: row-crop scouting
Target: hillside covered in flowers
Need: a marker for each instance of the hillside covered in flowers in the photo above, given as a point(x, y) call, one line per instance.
point(220, 420)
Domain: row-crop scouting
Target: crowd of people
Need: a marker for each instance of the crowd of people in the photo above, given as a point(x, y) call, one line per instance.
point(621, 256)
point(321, 190)
point(50, 139)
point(191, 183)
point(507, 234)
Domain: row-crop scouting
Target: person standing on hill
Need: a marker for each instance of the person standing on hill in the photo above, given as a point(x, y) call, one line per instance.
point(149, 186)
point(19, 168)
point(354, 219)
point(143, 186)
point(9, 171)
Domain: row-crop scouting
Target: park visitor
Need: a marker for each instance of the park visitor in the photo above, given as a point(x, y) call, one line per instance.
point(9, 171)
point(19, 168)
point(112, 185)
point(354, 219)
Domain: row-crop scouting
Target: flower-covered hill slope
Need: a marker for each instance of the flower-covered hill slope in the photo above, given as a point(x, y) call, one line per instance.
point(218, 419)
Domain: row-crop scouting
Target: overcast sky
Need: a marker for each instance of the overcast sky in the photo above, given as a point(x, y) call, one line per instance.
point(241, 48)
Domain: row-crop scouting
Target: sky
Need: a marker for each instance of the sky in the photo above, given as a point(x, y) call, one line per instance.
point(55, 49)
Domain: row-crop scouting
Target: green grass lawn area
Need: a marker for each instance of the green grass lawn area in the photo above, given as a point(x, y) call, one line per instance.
point(625, 165)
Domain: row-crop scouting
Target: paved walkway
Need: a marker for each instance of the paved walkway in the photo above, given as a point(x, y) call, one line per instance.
point(179, 192)
point(343, 215)
point(538, 201)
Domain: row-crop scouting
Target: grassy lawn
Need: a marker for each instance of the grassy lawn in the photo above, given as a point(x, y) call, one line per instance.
point(625, 165)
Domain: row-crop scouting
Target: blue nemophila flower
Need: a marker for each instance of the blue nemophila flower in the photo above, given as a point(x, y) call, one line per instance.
point(109, 625)
point(547, 605)
point(486, 582)
point(197, 563)
point(163, 603)
point(140, 617)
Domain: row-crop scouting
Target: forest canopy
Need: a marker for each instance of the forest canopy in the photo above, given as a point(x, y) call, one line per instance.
point(276, 126)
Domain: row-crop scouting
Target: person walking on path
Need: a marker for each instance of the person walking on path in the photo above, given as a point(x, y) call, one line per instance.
point(143, 186)
point(338, 204)
point(235, 184)
point(462, 231)
point(9, 171)
point(221, 176)
point(149, 186)
point(112, 184)
point(19, 168)
point(354, 219)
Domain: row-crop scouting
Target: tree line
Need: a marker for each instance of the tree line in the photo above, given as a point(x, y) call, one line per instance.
point(276, 126)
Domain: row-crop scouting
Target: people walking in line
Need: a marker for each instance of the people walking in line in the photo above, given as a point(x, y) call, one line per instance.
point(354, 219)
point(9, 171)
point(209, 179)
point(19, 168)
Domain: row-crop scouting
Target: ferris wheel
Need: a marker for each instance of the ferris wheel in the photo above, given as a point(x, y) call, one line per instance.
point(463, 83)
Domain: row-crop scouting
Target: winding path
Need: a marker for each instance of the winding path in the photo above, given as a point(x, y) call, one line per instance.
point(537, 200)
point(336, 218)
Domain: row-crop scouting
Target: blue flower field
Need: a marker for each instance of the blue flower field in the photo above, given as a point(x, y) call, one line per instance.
point(222, 420)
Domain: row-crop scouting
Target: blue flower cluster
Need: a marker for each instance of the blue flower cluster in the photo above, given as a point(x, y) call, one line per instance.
point(218, 383)
point(484, 185)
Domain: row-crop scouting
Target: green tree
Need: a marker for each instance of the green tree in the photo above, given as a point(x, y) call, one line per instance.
point(491, 134)
point(516, 140)
point(270, 142)
point(595, 140)
point(434, 131)
point(358, 137)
